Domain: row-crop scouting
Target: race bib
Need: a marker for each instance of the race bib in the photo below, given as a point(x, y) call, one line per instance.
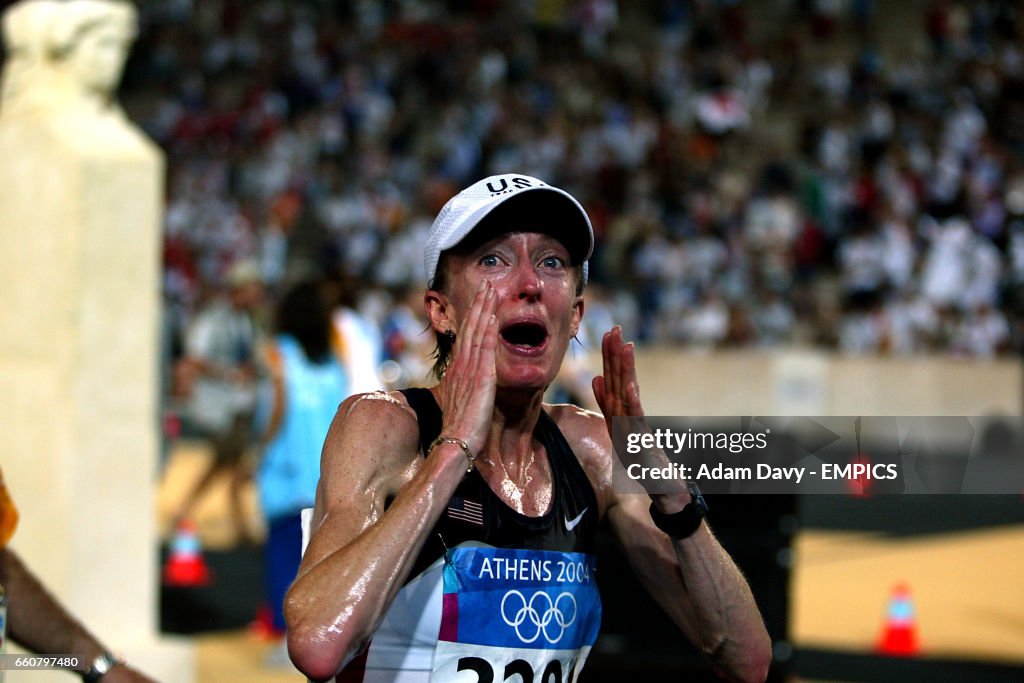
point(527, 616)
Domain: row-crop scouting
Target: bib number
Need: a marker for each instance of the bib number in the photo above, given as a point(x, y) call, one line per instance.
point(525, 616)
point(517, 667)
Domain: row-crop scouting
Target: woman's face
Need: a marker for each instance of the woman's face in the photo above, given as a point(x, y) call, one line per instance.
point(538, 310)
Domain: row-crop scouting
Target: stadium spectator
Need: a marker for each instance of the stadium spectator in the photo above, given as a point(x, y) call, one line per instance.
point(329, 147)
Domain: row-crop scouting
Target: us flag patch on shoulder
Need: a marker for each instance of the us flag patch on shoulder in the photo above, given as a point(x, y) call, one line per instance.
point(466, 511)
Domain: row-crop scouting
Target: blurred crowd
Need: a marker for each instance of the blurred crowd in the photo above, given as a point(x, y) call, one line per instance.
point(759, 174)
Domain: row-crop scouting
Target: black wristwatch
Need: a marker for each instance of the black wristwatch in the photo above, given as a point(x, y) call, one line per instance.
point(684, 523)
point(99, 667)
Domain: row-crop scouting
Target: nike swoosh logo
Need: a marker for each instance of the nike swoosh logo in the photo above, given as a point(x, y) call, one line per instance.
point(570, 524)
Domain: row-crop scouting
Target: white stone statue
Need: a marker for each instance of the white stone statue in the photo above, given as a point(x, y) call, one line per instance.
point(65, 57)
point(81, 202)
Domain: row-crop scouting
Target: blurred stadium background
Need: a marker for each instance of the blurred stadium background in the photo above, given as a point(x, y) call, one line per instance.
point(802, 207)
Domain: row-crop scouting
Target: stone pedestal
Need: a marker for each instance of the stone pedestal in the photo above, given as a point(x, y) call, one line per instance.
point(80, 212)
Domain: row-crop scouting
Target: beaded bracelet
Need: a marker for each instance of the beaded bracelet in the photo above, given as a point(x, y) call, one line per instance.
point(458, 442)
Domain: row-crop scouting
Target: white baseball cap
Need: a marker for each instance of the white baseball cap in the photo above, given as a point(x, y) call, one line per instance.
point(550, 210)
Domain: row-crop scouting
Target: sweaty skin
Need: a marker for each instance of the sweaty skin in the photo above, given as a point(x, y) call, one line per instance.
point(491, 396)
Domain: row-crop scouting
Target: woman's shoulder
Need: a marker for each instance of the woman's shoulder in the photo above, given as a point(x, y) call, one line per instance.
point(372, 449)
point(571, 417)
point(384, 413)
point(587, 435)
point(376, 405)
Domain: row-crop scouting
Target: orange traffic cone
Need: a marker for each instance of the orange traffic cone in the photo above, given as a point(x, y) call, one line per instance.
point(185, 565)
point(860, 486)
point(262, 626)
point(899, 634)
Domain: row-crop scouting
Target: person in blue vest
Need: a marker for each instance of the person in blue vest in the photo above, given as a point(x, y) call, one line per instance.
point(453, 537)
point(306, 384)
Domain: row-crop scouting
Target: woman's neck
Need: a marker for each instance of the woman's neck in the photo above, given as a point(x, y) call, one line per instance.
point(511, 435)
point(512, 462)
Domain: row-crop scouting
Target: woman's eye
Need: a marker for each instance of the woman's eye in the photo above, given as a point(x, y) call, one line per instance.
point(489, 260)
point(552, 262)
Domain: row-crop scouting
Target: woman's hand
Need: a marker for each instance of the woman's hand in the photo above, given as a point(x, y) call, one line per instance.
point(618, 394)
point(466, 392)
point(617, 391)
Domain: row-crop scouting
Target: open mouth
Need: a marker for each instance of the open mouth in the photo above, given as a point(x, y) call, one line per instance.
point(525, 335)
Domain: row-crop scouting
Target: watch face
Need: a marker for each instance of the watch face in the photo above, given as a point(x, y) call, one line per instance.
point(698, 498)
point(104, 663)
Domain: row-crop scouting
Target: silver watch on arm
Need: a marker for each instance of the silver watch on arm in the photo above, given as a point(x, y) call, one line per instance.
point(100, 666)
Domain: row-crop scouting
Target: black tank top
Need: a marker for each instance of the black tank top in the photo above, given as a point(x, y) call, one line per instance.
point(475, 513)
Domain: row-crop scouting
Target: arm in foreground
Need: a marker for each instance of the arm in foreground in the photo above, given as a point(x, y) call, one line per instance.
point(360, 554)
point(37, 621)
point(693, 579)
point(699, 586)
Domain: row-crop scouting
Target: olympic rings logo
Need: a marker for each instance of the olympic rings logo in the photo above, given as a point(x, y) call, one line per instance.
point(542, 613)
